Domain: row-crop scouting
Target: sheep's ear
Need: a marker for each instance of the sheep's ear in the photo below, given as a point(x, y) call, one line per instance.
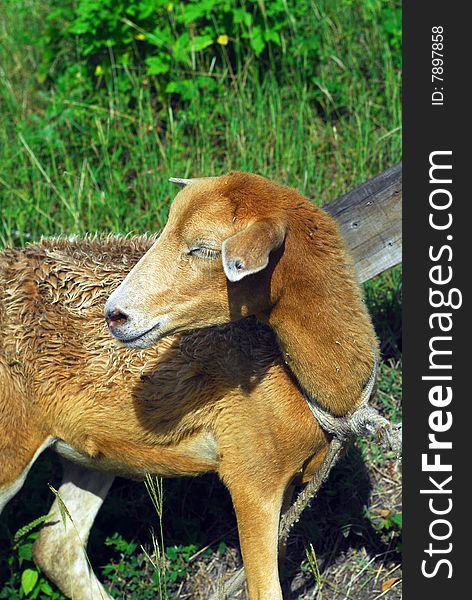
point(184, 182)
point(248, 251)
point(180, 180)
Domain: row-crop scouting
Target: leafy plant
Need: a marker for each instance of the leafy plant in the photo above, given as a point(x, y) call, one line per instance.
point(26, 581)
point(162, 39)
point(118, 41)
point(126, 573)
point(390, 525)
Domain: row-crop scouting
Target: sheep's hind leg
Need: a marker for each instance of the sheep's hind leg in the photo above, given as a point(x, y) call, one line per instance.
point(60, 550)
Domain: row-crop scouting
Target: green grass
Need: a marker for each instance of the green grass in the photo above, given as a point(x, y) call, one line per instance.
point(76, 160)
point(77, 157)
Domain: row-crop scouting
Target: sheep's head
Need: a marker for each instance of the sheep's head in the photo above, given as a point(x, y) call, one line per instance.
point(214, 261)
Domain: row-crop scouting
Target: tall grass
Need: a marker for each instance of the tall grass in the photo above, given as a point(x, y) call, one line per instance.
point(70, 165)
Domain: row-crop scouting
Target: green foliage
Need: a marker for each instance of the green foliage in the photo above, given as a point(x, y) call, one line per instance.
point(183, 46)
point(389, 524)
point(26, 581)
point(21, 533)
point(164, 39)
point(126, 573)
point(178, 557)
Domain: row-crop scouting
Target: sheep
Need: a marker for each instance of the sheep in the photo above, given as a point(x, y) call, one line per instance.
point(239, 246)
point(216, 399)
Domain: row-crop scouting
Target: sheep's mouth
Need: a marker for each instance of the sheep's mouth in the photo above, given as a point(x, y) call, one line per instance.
point(142, 340)
point(148, 338)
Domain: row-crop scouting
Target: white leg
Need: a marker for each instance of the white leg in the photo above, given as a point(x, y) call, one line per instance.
point(60, 550)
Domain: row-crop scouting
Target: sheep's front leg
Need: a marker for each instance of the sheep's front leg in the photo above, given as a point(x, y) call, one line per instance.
point(258, 515)
point(287, 502)
point(60, 548)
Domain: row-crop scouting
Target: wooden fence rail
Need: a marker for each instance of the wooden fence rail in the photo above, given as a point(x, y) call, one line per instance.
point(370, 219)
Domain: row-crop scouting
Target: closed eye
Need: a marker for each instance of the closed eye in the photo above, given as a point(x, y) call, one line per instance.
point(202, 252)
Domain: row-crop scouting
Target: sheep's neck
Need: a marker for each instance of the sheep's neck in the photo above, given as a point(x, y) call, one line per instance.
point(327, 340)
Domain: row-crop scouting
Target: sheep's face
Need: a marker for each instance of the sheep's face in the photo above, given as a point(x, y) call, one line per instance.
point(213, 262)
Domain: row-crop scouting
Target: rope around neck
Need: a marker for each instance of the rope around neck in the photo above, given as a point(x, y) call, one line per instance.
point(364, 421)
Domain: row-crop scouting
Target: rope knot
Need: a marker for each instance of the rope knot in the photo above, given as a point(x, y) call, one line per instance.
point(364, 421)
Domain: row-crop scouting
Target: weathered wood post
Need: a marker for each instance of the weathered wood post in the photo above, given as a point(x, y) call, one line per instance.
point(370, 219)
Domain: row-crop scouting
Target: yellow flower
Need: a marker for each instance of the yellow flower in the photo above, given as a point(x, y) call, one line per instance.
point(98, 70)
point(222, 40)
point(140, 36)
point(170, 7)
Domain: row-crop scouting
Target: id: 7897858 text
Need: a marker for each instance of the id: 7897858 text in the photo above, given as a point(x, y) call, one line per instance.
point(437, 64)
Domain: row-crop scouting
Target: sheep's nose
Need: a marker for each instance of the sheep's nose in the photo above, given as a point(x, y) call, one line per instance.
point(115, 318)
